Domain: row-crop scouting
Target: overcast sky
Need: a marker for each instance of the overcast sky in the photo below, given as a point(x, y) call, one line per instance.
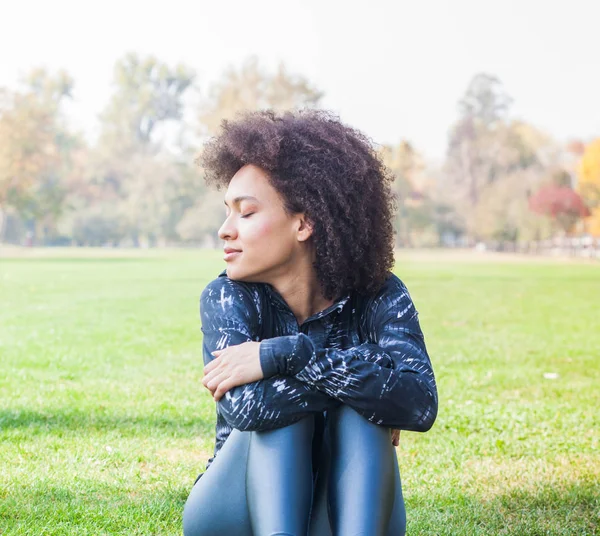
point(394, 69)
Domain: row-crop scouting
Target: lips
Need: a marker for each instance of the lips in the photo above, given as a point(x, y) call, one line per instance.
point(230, 254)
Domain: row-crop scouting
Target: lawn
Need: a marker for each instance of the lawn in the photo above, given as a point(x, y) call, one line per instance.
point(104, 422)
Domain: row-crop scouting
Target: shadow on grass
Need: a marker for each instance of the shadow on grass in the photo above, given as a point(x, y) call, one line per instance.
point(88, 507)
point(67, 419)
point(557, 509)
point(112, 509)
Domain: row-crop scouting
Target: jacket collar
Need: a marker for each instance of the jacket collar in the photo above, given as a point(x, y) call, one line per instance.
point(282, 305)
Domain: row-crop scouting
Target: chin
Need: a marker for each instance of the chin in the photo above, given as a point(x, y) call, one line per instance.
point(230, 272)
point(237, 274)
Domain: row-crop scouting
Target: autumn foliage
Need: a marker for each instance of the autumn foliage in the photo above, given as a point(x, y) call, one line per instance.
point(561, 203)
point(589, 184)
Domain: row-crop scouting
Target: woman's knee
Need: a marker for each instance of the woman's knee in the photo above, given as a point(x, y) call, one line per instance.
point(273, 454)
point(303, 427)
point(283, 447)
point(361, 487)
point(279, 478)
point(346, 423)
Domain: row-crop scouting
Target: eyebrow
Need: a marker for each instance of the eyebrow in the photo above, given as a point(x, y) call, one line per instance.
point(241, 198)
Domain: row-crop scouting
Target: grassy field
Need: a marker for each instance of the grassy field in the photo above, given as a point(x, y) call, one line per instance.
point(104, 423)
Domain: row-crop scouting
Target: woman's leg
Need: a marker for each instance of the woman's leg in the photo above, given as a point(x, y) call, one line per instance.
point(397, 526)
point(259, 483)
point(358, 489)
point(279, 479)
point(217, 503)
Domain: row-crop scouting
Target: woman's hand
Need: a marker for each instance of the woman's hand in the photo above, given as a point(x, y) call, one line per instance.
point(232, 366)
point(238, 365)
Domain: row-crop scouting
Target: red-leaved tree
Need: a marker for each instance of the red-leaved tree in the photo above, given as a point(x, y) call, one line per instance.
point(561, 203)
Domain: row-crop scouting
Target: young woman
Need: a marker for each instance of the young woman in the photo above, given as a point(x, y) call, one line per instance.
point(312, 346)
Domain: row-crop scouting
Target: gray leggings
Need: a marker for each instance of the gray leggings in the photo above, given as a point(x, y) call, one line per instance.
point(261, 483)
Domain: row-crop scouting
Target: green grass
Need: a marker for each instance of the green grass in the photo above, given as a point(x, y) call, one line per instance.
point(104, 423)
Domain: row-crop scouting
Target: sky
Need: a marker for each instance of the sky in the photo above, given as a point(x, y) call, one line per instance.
point(394, 69)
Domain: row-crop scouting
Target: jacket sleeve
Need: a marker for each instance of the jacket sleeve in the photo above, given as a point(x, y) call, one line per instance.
point(229, 317)
point(388, 379)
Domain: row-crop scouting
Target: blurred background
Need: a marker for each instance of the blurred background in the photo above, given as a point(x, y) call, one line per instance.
point(487, 113)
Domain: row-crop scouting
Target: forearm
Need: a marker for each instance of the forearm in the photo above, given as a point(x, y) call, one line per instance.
point(269, 403)
point(375, 381)
point(401, 400)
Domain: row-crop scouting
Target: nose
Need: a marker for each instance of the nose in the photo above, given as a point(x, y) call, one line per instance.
point(227, 231)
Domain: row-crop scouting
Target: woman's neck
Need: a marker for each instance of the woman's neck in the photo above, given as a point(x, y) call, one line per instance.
point(301, 290)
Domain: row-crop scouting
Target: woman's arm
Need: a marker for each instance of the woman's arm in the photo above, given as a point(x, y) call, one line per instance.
point(229, 317)
point(389, 380)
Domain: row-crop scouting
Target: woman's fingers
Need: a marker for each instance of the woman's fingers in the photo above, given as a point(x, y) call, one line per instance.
point(214, 363)
point(208, 377)
point(223, 387)
point(212, 373)
point(214, 381)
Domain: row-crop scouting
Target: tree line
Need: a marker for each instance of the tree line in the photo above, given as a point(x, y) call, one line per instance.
point(137, 184)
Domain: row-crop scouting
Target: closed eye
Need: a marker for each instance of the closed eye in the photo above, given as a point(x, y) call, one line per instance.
point(248, 215)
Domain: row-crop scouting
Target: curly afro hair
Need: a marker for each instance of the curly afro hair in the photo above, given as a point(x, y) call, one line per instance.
point(330, 172)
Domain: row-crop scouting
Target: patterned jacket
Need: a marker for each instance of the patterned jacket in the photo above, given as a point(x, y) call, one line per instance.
point(367, 352)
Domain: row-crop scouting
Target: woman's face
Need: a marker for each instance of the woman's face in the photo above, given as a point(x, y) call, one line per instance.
point(268, 240)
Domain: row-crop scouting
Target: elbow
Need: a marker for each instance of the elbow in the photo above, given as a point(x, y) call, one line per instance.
point(428, 414)
point(421, 423)
point(239, 409)
point(427, 406)
point(419, 417)
point(426, 422)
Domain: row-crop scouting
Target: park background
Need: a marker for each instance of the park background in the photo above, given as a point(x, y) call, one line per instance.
point(487, 115)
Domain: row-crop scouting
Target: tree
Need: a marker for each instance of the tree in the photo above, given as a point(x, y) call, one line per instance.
point(147, 94)
point(252, 88)
point(477, 144)
point(131, 165)
point(204, 219)
point(493, 162)
point(589, 184)
point(561, 203)
point(35, 145)
point(485, 101)
point(411, 188)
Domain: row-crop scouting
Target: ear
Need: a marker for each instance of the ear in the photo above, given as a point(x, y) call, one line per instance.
point(305, 228)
